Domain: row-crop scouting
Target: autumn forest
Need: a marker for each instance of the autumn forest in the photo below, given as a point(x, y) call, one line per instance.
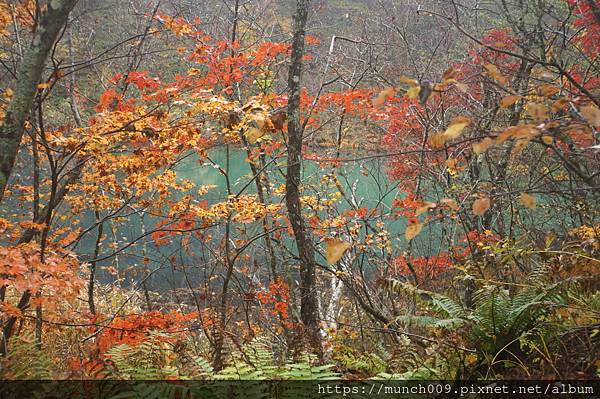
point(299, 190)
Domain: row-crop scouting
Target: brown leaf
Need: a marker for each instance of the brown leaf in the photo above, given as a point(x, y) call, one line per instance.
point(547, 90)
point(519, 146)
point(591, 114)
point(279, 118)
point(335, 249)
point(437, 140)
point(527, 131)
point(425, 207)
point(482, 146)
point(481, 205)
point(559, 105)
point(528, 200)
point(509, 100)
point(539, 112)
point(450, 203)
point(450, 73)
point(495, 73)
point(408, 81)
point(413, 230)
point(456, 127)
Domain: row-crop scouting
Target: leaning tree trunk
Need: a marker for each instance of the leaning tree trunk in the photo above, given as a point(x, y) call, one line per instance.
point(52, 20)
point(306, 251)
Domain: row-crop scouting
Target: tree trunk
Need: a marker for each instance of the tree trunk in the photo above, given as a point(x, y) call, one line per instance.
point(306, 251)
point(50, 25)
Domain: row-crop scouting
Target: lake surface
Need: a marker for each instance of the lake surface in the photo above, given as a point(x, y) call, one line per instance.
point(366, 182)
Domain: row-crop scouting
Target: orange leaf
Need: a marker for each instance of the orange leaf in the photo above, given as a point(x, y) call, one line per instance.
point(528, 200)
point(450, 203)
point(410, 82)
point(425, 207)
point(456, 126)
point(437, 140)
point(509, 100)
point(495, 73)
point(335, 249)
point(539, 112)
point(481, 205)
point(482, 146)
point(592, 114)
point(383, 96)
point(548, 90)
point(547, 140)
point(450, 73)
point(413, 230)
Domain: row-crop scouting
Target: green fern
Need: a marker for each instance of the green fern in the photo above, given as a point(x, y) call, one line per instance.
point(25, 361)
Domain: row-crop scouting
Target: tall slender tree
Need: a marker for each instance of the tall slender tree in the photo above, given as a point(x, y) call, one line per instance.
point(53, 18)
point(306, 250)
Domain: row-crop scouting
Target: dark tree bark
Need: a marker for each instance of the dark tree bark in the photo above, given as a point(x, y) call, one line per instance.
point(51, 23)
point(306, 251)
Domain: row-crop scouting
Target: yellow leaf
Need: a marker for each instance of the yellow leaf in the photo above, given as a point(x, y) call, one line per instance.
point(591, 114)
point(450, 203)
point(482, 146)
point(456, 126)
point(383, 96)
point(412, 230)
point(495, 73)
point(8, 93)
point(481, 205)
point(509, 100)
point(471, 358)
point(413, 92)
point(528, 200)
point(335, 249)
point(451, 163)
point(42, 86)
point(539, 112)
point(437, 140)
point(253, 134)
point(547, 140)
